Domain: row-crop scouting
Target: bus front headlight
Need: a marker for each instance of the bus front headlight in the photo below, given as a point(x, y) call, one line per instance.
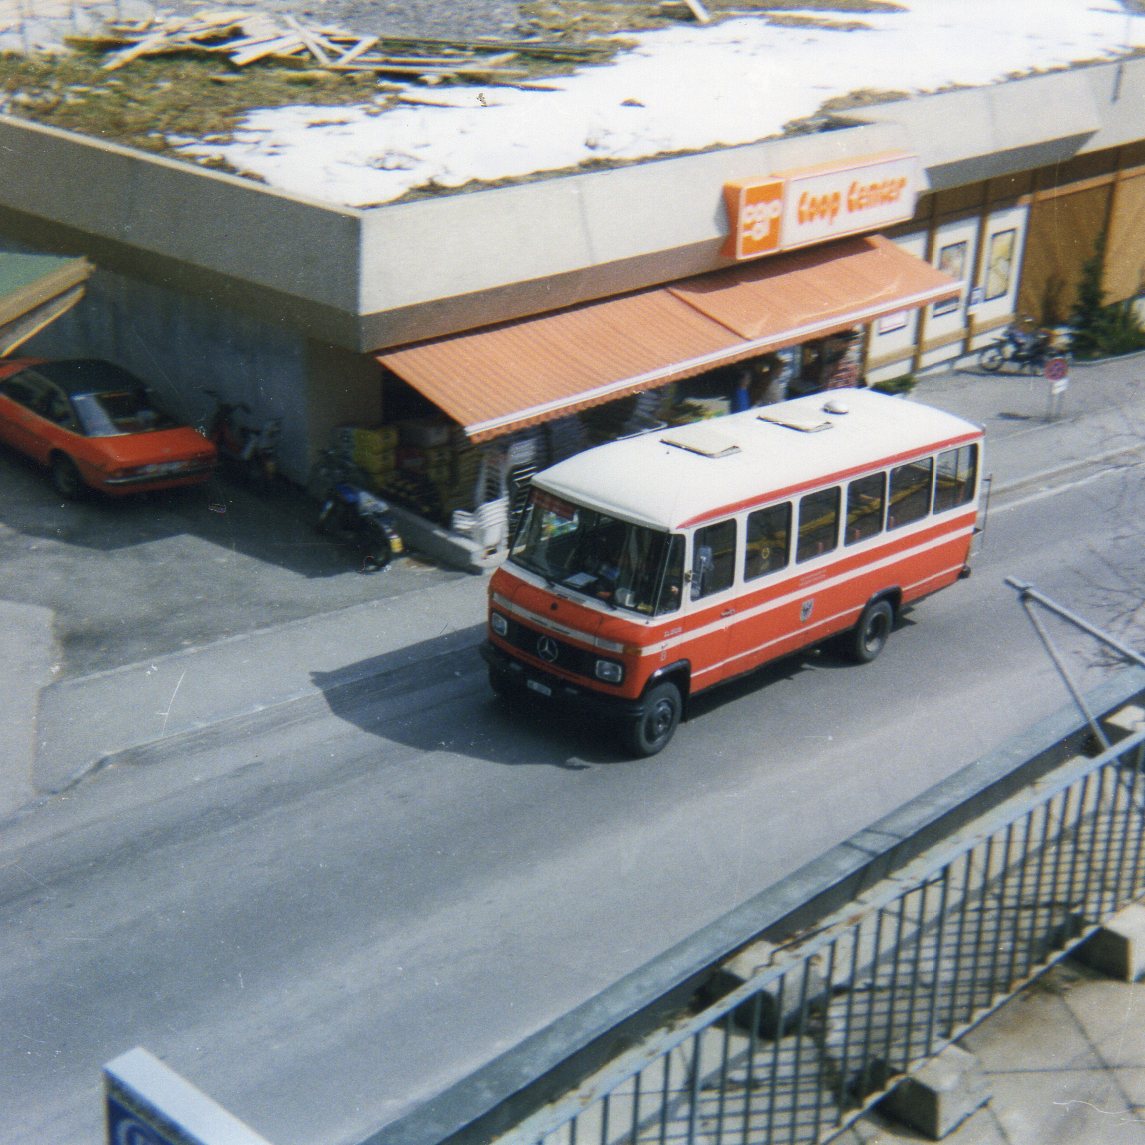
point(499, 624)
point(609, 671)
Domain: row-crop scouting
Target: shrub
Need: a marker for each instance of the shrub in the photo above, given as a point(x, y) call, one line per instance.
point(903, 384)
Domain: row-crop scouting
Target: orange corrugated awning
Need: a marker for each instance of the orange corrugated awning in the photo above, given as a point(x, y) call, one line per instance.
point(516, 374)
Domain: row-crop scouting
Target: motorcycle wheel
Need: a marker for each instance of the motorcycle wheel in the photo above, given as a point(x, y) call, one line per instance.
point(376, 551)
point(991, 359)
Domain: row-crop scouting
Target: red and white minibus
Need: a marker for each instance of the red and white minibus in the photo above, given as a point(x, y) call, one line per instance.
point(652, 568)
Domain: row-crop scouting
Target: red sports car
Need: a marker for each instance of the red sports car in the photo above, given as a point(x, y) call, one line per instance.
point(93, 424)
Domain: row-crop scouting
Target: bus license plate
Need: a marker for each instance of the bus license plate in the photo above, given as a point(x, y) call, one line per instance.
point(537, 686)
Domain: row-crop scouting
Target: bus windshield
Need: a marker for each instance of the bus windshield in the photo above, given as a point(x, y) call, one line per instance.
point(627, 566)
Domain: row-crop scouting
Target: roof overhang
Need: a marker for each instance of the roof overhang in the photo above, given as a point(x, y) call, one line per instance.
point(971, 134)
point(35, 290)
point(517, 374)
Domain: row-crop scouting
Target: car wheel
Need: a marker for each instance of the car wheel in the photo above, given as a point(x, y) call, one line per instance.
point(66, 477)
point(650, 731)
point(869, 637)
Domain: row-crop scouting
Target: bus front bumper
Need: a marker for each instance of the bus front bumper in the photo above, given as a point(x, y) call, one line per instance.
point(524, 679)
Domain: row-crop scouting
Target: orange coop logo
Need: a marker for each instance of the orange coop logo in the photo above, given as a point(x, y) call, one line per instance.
point(755, 214)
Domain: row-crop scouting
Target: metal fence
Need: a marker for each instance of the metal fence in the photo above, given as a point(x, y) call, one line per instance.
point(813, 1031)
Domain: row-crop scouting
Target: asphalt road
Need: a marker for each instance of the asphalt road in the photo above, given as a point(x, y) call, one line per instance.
point(324, 921)
point(134, 578)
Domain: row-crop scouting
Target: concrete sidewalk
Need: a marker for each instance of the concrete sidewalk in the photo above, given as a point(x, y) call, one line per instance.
point(79, 722)
point(1062, 1063)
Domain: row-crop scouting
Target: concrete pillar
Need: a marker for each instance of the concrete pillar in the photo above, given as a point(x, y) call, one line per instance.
point(1118, 947)
point(779, 1008)
point(937, 1098)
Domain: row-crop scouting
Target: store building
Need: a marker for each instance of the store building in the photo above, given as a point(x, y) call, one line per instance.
point(495, 330)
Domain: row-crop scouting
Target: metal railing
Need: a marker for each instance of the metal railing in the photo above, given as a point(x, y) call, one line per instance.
point(825, 1023)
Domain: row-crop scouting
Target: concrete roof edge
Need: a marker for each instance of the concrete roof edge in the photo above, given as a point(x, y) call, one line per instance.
point(211, 220)
point(633, 225)
point(1030, 117)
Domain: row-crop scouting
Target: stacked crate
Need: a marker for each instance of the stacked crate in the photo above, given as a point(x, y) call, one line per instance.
point(372, 451)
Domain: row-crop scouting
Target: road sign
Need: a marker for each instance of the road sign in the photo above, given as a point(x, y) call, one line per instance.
point(1057, 372)
point(147, 1103)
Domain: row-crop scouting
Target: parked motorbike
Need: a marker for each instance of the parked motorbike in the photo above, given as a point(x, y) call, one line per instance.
point(250, 449)
point(1023, 346)
point(356, 517)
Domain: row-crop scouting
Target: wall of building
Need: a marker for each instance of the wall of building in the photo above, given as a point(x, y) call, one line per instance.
point(243, 244)
point(1094, 198)
point(181, 344)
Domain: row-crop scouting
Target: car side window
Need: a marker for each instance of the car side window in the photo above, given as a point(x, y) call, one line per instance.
point(23, 389)
point(59, 409)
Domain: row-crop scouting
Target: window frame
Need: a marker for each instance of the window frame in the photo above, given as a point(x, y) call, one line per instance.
point(788, 510)
point(850, 515)
point(893, 520)
point(835, 493)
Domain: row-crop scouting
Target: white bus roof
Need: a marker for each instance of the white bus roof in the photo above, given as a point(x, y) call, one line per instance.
point(673, 477)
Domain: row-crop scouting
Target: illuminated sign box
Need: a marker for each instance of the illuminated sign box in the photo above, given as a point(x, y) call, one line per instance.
point(816, 204)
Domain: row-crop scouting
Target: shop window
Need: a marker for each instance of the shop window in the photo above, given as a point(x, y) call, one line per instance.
point(1000, 264)
point(955, 478)
point(866, 500)
point(768, 540)
point(910, 493)
point(818, 524)
point(952, 262)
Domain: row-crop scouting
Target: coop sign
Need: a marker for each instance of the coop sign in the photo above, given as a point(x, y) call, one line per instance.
point(813, 205)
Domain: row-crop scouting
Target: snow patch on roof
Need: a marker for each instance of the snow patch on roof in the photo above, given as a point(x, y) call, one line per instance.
point(681, 89)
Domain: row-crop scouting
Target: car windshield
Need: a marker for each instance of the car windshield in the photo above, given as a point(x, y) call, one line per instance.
point(118, 411)
point(627, 566)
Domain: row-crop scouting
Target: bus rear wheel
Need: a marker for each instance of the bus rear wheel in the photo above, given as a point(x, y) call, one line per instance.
point(869, 637)
point(659, 717)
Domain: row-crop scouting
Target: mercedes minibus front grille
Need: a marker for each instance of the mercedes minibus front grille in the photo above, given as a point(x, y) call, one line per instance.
point(550, 649)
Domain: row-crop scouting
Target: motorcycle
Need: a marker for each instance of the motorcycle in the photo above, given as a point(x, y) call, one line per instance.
point(356, 517)
point(254, 450)
point(1021, 345)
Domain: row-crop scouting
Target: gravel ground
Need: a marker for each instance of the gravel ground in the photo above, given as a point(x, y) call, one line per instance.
point(461, 19)
point(30, 25)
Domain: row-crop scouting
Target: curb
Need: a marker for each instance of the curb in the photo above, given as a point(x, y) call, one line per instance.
point(1043, 476)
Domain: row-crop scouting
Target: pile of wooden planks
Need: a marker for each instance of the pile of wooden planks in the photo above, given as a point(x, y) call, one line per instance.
point(245, 36)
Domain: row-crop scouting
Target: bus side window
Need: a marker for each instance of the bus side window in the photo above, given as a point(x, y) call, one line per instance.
point(818, 523)
point(713, 558)
point(866, 499)
point(956, 478)
point(910, 492)
point(768, 540)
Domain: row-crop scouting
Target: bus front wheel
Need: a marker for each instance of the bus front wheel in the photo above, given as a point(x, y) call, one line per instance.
point(869, 637)
point(659, 717)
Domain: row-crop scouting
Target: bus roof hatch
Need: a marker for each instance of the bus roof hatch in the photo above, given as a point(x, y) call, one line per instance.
point(804, 422)
point(703, 440)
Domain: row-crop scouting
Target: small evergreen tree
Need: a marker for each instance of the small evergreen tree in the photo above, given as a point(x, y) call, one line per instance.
point(1089, 318)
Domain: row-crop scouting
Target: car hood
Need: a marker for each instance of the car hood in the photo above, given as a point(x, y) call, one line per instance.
point(179, 444)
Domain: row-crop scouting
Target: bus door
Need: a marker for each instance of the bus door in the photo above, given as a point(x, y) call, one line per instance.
point(712, 600)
